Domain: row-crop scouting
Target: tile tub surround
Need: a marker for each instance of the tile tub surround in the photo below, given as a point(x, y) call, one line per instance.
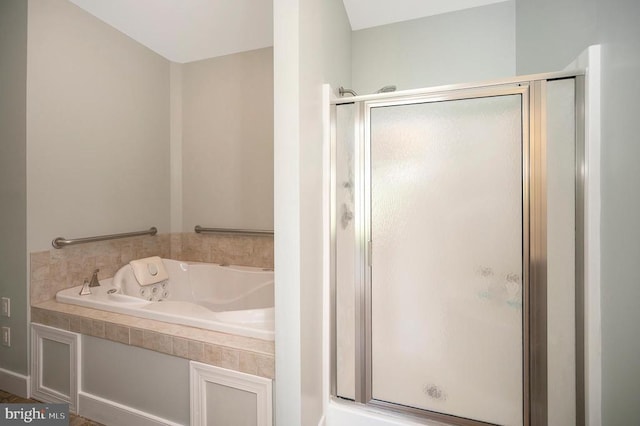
point(57, 269)
point(226, 249)
point(244, 354)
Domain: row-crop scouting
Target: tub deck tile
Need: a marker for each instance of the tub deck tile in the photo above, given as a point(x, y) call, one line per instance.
point(230, 359)
point(97, 329)
point(248, 362)
point(180, 347)
point(80, 325)
point(157, 342)
point(245, 354)
point(117, 333)
point(196, 350)
point(135, 337)
point(212, 354)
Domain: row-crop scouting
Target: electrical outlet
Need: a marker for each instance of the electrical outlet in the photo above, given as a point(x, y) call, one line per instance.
point(6, 307)
point(6, 336)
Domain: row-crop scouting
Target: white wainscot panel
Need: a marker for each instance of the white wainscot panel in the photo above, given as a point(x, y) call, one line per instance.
point(220, 396)
point(55, 358)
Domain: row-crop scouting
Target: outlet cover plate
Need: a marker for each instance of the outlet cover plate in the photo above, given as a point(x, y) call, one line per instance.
point(6, 336)
point(6, 307)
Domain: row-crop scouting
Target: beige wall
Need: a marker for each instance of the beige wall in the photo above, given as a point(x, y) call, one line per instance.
point(92, 145)
point(97, 128)
point(457, 47)
point(227, 141)
point(13, 174)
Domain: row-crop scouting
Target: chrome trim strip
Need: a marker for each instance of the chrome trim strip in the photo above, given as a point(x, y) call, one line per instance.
point(360, 216)
point(419, 414)
point(580, 250)
point(368, 247)
point(526, 252)
point(333, 333)
point(464, 86)
point(477, 92)
point(538, 259)
point(61, 242)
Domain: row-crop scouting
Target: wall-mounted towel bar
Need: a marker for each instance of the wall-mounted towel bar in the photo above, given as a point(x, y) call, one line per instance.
point(248, 232)
point(62, 242)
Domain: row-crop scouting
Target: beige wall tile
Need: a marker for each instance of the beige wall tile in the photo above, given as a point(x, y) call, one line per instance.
point(266, 366)
point(196, 351)
point(226, 249)
point(39, 265)
point(136, 337)
point(57, 269)
point(117, 333)
point(157, 342)
point(81, 325)
point(180, 347)
point(53, 319)
point(97, 328)
point(230, 359)
point(40, 290)
point(101, 324)
point(212, 354)
point(248, 362)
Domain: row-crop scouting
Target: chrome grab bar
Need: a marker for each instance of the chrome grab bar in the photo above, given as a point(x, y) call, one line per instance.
point(248, 232)
point(62, 242)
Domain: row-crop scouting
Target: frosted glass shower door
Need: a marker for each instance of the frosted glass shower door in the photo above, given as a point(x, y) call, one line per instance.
point(446, 230)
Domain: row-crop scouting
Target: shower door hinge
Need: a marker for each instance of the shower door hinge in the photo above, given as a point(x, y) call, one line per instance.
point(369, 252)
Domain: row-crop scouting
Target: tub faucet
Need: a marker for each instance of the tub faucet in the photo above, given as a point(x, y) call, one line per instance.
point(94, 279)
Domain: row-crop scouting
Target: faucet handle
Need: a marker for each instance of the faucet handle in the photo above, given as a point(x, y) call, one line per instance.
point(94, 279)
point(85, 290)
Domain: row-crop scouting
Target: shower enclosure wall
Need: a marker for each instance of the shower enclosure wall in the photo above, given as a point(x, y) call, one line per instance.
point(457, 251)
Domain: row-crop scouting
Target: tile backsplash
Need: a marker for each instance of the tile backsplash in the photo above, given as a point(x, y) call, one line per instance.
point(223, 249)
point(57, 269)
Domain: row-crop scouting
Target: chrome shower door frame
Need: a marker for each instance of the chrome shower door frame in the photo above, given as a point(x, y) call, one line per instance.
point(534, 314)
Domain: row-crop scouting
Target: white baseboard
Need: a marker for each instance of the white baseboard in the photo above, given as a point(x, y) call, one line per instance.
point(115, 414)
point(15, 383)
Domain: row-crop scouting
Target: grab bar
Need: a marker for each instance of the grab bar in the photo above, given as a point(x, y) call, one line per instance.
point(248, 232)
point(62, 242)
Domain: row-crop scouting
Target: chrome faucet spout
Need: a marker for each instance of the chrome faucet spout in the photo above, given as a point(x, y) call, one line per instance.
point(94, 279)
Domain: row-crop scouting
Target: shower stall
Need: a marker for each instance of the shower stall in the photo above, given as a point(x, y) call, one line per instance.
point(457, 251)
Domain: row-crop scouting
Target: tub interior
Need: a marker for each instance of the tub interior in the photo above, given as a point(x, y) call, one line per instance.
point(230, 299)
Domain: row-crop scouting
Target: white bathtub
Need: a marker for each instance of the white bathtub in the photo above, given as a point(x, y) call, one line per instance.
point(229, 299)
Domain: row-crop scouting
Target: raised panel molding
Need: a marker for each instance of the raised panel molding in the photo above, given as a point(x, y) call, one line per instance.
point(200, 374)
point(38, 390)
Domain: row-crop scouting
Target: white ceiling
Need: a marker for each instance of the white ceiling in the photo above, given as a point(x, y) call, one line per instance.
point(190, 30)
point(371, 13)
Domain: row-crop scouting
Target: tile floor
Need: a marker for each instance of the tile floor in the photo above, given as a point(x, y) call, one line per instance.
point(8, 398)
